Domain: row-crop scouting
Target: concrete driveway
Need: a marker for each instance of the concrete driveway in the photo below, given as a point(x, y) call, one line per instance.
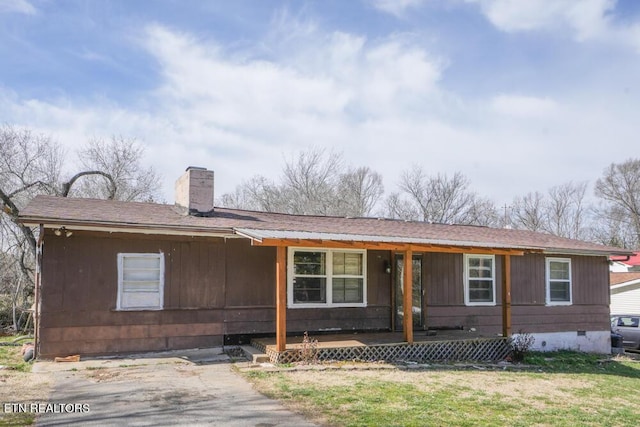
point(193, 387)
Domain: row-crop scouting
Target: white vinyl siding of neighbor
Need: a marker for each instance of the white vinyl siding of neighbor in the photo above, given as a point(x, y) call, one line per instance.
point(140, 281)
point(625, 298)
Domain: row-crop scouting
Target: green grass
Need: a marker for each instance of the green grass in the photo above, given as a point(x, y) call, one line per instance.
point(10, 356)
point(14, 364)
point(559, 389)
point(20, 419)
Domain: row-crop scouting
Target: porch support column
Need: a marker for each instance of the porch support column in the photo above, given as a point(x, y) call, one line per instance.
point(281, 299)
point(506, 296)
point(407, 303)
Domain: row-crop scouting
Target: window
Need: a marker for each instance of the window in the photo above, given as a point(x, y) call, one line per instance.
point(558, 281)
point(321, 277)
point(140, 281)
point(479, 274)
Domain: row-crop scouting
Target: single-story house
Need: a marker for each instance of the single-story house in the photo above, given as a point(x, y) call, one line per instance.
point(625, 293)
point(127, 276)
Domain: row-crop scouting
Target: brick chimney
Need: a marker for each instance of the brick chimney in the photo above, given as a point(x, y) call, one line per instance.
point(194, 191)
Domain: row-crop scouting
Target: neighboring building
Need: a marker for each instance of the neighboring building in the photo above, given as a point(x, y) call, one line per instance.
point(625, 293)
point(128, 277)
point(627, 264)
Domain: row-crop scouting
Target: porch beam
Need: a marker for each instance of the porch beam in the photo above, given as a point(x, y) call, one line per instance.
point(407, 303)
point(281, 299)
point(398, 247)
point(506, 296)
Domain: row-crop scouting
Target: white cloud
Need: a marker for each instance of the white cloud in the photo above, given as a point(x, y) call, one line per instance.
point(525, 106)
point(586, 18)
point(396, 7)
point(381, 102)
point(17, 6)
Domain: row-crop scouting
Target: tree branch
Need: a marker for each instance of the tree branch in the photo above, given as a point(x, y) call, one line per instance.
point(66, 187)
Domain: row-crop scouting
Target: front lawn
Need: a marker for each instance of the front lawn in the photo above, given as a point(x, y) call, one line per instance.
point(17, 384)
point(554, 389)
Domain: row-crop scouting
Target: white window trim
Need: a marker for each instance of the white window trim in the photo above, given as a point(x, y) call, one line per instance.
point(548, 281)
point(329, 276)
point(466, 280)
point(121, 257)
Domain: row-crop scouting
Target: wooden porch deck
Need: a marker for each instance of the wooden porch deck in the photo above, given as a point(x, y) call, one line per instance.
point(454, 345)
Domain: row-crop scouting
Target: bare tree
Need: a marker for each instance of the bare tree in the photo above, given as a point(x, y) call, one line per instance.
point(619, 188)
point(439, 198)
point(115, 171)
point(314, 182)
point(565, 210)
point(528, 212)
point(561, 211)
point(358, 191)
point(611, 226)
point(309, 181)
point(32, 164)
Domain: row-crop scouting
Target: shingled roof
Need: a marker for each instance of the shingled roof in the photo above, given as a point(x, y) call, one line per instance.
point(153, 218)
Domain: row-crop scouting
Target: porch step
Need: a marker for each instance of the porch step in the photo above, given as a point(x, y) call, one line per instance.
point(255, 355)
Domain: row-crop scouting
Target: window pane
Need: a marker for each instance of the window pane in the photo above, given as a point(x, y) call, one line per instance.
point(311, 263)
point(347, 290)
point(559, 291)
point(309, 289)
point(347, 263)
point(480, 291)
point(149, 262)
point(480, 267)
point(141, 300)
point(138, 286)
point(142, 275)
point(558, 270)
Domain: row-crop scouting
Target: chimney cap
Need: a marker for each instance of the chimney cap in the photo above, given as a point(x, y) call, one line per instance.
point(198, 168)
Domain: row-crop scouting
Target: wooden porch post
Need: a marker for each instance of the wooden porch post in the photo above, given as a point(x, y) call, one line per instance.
point(281, 299)
point(407, 303)
point(506, 296)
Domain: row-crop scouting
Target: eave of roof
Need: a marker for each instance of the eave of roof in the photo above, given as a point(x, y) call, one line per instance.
point(277, 229)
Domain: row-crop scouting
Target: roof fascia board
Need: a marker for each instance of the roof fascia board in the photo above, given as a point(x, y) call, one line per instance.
point(258, 236)
point(399, 247)
point(140, 229)
point(581, 252)
point(632, 285)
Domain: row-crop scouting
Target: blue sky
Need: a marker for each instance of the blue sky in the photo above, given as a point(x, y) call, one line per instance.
point(519, 95)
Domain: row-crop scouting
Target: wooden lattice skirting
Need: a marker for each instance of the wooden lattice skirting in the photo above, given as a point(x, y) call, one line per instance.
point(482, 349)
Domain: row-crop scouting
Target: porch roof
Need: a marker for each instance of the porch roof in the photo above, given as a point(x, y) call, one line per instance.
point(267, 227)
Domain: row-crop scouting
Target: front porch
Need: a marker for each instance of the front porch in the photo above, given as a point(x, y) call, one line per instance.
point(455, 345)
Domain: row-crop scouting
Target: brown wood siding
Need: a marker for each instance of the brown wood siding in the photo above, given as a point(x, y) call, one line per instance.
point(212, 288)
point(251, 272)
point(528, 279)
point(378, 281)
point(443, 278)
point(444, 282)
point(215, 288)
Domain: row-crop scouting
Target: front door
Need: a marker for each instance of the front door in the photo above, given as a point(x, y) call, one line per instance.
point(399, 291)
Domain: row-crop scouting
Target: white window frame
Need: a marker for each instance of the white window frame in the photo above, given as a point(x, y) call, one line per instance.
point(467, 300)
point(329, 278)
point(548, 262)
point(121, 258)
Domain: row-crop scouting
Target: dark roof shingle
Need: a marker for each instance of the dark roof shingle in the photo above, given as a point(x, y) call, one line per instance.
point(118, 214)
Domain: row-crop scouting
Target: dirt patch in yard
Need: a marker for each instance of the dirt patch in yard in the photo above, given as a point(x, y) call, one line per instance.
point(24, 387)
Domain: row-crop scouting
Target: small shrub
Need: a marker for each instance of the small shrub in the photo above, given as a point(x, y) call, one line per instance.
point(521, 344)
point(309, 350)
